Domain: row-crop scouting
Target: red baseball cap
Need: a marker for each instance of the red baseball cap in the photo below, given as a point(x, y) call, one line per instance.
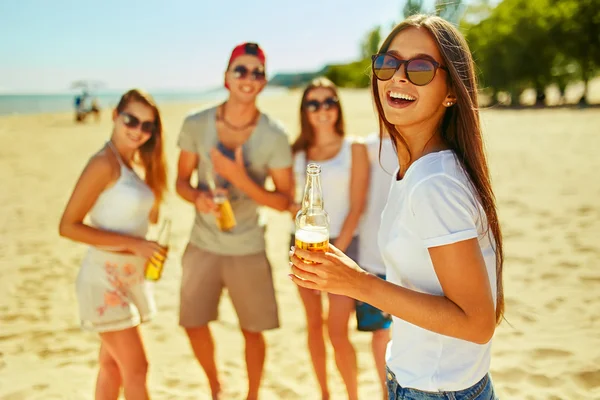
point(251, 49)
point(247, 48)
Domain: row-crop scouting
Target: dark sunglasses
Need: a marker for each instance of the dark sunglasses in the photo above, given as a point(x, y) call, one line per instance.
point(133, 122)
point(419, 71)
point(241, 72)
point(315, 105)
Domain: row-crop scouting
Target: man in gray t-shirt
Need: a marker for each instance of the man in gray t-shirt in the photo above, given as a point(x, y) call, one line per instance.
point(239, 147)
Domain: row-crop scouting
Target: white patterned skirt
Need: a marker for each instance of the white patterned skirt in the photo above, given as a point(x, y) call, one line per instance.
point(112, 292)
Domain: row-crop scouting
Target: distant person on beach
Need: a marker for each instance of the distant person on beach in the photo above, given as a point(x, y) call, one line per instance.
point(233, 148)
point(81, 110)
point(344, 181)
point(383, 162)
point(95, 109)
point(79, 104)
point(440, 237)
point(113, 295)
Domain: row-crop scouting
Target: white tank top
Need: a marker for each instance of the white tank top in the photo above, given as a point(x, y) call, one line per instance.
point(382, 171)
point(125, 206)
point(335, 183)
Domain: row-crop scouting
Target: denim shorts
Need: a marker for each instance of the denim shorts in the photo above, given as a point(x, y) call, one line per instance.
point(482, 390)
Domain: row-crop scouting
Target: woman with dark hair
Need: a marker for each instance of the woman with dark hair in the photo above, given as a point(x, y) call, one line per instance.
point(345, 169)
point(112, 293)
point(439, 237)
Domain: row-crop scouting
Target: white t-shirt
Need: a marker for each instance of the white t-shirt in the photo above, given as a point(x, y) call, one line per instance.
point(382, 170)
point(433, 205)
point(335, 184)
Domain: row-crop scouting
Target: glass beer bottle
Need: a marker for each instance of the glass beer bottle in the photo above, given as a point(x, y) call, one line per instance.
point(226, 219)
point(155, 265)
point(312, 221)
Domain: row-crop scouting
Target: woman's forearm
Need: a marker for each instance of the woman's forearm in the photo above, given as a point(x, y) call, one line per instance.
point(434, 313)
point(83, 233)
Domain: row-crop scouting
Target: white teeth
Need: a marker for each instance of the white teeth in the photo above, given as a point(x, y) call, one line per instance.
point(397, 95)
point(246, 89)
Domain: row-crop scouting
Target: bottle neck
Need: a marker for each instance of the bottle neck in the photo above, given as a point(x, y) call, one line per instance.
point(313, 196)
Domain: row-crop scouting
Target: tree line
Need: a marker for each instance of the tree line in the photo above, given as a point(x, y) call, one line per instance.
point(517, 44)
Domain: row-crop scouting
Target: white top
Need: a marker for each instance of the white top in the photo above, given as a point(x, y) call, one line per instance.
point(335, 184)
point(382, 170)
point(433, 205)
point(125, 206)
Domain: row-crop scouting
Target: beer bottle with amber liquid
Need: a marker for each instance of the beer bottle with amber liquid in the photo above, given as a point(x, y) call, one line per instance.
point(225, 218)
point(312, 221)
point(156, 263)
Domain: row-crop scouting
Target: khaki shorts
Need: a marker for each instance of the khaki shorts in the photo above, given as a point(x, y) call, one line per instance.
point(248, 281)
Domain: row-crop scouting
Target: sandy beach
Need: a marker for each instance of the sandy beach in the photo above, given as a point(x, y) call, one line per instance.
point(545, 170)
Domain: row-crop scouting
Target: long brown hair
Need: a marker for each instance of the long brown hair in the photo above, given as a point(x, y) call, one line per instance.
point(307, 133)
point(460, 127)
point(151, 154)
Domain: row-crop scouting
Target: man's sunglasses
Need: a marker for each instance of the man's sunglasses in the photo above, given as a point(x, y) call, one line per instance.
point(133, 122)
point(315, 105)
point(241, 72)
point(419, 71)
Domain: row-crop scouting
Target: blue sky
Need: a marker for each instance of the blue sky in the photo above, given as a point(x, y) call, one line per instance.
point(177, 44)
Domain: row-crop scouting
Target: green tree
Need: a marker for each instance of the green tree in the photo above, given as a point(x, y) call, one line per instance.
point(578, 30)
point(533, 44)
point(370, 44)
point(412, 7)
point(354, 75)
point(564, 70)
point(513, 47)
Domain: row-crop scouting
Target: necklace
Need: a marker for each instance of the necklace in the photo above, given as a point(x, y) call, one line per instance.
point(221, 117)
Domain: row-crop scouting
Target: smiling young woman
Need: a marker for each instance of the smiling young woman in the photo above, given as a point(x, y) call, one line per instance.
point(112, 293)
point(345, 169)
point(439, 237)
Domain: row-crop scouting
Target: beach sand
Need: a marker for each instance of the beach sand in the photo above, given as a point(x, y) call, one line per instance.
point(545, 170)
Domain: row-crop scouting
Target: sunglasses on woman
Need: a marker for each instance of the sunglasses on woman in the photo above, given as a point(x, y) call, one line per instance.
point(131, 121)
point(419, 71)
point(316, 105)
point(241, 72)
